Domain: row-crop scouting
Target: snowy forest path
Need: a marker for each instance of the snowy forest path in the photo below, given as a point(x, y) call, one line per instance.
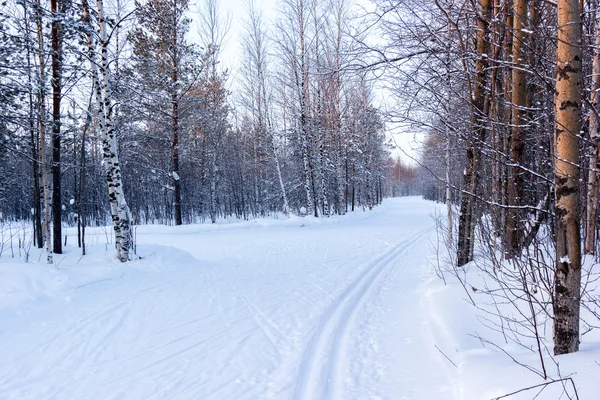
point(297, 309)
point(321, 366)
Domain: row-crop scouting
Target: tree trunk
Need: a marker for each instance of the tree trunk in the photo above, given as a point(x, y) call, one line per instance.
point(175, 125)
point(448, 101)
point(496, 108)
point(567, 279)
point(175, 160)
point(56, 33)
point(322, 163)
point(466, 224)
point(594, 156)
point(82, 172)
point(519, 99)
point(42, 111)
point(213, 185)
point(123, 239)
point(34, 141)
point(502, 140)
point(286, 207)
point(118, 206)
point(303, 87)
point(465, 220)
point(342, 184)
point(448, 194)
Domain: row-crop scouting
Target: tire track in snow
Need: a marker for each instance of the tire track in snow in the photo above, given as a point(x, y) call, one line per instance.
point(320, 368)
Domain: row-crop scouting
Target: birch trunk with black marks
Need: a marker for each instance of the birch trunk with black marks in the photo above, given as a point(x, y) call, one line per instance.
point(567, 280)
point(342, 184)
point(42, 122)
point(322, 166)
point(118, 206)
point(303, 88)
point(286, 207)
point(34, 138)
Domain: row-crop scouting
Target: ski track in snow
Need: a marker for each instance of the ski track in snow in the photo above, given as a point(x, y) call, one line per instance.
point(322, 363)
point(292, 312)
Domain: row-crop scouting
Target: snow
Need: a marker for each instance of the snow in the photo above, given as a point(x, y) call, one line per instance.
point(296, 308)
point(491, 360)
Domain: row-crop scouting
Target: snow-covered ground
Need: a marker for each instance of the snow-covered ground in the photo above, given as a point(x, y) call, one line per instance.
point(302, 308)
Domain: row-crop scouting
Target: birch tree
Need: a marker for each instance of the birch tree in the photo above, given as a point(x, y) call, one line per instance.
point(257, 96)
point(294, 50)
point(302, 141)
point(42, 128)
point(567, 280)
point(33, 131)
point(101, 80)
point(214, 111)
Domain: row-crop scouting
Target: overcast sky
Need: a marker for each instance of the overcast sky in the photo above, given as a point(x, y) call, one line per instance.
point(236, 11)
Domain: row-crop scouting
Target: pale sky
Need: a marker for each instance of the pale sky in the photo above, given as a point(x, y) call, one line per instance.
point(236, 11)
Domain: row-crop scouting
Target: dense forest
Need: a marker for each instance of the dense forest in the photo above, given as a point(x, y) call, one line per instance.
point(116, 112)
point(123, 95)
